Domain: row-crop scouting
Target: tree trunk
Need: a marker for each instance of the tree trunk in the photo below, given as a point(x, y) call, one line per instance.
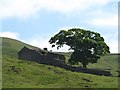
point(84, 65)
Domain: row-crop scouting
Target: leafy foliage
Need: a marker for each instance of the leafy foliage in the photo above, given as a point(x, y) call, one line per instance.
point(88, 46)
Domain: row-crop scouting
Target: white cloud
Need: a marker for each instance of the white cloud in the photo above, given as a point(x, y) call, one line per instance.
point(27, 8)
point(42, 42)
point(112, 41)
point(12, 35)
point(113, 46)
point(39, 42)
point(111, 21)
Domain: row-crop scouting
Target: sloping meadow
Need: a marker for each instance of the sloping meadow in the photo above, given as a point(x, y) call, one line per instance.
point(25, 74)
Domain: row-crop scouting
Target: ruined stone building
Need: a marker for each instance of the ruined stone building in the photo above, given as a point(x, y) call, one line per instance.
point(41, 56)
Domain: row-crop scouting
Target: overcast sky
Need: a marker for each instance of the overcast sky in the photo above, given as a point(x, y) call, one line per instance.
point(36, 21)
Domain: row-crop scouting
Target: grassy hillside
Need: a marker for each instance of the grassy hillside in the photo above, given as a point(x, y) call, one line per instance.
point(10, 47)
point(18, 73)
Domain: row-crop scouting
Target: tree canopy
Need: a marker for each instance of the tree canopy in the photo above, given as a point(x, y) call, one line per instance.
point(88, 46)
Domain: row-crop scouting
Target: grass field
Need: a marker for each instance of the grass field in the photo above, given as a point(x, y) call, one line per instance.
point(26, 74)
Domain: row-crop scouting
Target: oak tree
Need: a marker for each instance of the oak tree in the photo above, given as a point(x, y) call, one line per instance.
point(87, 45)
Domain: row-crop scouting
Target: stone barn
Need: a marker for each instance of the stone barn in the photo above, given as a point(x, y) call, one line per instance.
point(41, 56)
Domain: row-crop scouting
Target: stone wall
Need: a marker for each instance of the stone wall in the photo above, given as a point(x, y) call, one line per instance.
point(85, 70)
